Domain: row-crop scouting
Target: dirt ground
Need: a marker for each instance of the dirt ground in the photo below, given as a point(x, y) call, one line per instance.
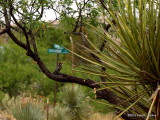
point(98, 116)
point(4, 116)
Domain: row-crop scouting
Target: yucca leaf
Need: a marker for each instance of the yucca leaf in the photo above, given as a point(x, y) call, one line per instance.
point(129, 107)
point(151, 107)
point(108, 104)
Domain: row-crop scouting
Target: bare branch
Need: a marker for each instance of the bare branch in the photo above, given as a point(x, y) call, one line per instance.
point(78, 22)
point(6, 18)
point(33, 43)
point(21, 27)
point(14, 18)
point(73, 33)
point(42, 11)
point(103, 4)
point(15, 29)
point(3, 31)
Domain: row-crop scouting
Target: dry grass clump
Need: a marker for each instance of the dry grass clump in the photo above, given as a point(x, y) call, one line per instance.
point(99, 116)
point(5, 116)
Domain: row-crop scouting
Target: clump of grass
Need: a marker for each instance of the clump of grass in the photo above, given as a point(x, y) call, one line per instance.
point(59, 113)
point(25, 108)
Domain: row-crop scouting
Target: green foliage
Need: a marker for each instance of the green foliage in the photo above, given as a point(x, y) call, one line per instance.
point(11, 80)
point(53, 35)
point(87, 11)
point(20, 74)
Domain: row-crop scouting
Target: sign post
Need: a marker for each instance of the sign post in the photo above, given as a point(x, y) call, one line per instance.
point(58, 50)
point(57, 59)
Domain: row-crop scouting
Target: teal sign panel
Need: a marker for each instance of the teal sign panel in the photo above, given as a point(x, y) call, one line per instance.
point(58, 49)
point(54, 51)
point(64, 51)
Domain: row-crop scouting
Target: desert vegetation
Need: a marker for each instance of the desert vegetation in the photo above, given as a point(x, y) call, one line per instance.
point(108, 47)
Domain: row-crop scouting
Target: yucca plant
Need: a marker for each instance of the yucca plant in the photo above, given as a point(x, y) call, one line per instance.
point(73, 98)
point(133, 56)
point(25, 108)
point(59, 113)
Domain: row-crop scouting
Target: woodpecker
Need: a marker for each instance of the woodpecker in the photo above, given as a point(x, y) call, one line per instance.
point(58, 68)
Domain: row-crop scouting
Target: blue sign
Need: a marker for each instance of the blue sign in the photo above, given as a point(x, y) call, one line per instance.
point(65, 51)
point(54, 51)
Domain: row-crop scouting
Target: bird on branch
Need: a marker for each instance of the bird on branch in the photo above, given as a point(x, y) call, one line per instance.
point(58, 68)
